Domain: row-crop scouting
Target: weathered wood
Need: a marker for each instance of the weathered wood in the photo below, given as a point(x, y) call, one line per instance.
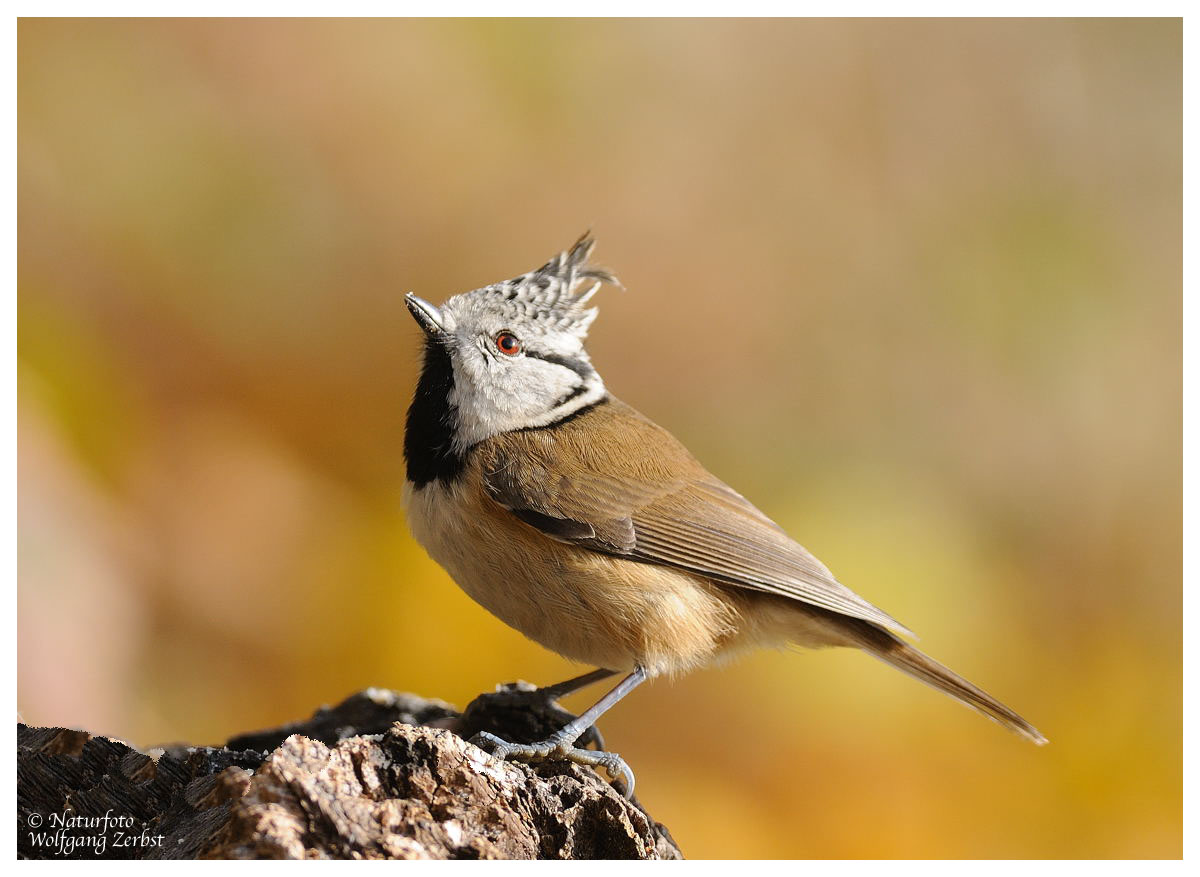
point(381, 775)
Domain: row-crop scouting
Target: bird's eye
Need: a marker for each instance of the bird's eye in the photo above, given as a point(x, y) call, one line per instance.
point(507, 343)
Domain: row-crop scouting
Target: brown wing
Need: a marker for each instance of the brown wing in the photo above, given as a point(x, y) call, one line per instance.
point(610, 480)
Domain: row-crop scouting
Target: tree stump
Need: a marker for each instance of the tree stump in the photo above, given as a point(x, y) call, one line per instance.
point(381, 775)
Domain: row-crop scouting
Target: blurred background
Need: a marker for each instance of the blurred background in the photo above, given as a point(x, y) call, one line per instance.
point(914, 287)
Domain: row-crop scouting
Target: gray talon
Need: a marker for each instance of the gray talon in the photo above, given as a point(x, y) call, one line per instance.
point(547, 750)
point(570, 741)
point(613, 764)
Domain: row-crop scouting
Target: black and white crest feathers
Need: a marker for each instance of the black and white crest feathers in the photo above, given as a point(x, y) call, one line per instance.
point(553, 297)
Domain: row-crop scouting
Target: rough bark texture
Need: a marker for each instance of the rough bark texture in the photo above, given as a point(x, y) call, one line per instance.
point(380, 776)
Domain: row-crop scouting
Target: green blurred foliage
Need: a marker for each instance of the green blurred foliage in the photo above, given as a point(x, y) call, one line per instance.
point(912, 286)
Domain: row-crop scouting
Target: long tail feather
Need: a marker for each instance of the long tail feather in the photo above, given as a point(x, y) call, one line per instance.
point(902, 656)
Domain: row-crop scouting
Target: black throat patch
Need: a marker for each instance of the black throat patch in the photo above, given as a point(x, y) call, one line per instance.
point(432, 420)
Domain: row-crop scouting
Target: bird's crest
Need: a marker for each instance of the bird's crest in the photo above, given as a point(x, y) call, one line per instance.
point(554, 296)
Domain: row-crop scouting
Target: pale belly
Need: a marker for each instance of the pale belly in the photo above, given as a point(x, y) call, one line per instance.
point(589, 607)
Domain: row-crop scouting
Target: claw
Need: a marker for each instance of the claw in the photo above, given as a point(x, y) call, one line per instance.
point(613, 764)
point(571, 739)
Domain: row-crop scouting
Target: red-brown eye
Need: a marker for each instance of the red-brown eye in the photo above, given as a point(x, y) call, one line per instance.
point(508, 343)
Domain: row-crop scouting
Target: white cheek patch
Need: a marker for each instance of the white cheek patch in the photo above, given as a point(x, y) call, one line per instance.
point(493, 398)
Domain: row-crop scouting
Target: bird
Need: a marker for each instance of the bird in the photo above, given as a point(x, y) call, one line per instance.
point(592, 530)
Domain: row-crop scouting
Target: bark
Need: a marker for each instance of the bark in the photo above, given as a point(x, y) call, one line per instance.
point(380, 776)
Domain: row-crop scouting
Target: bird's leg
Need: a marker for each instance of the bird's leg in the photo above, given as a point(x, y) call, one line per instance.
point(562, 689)
point(525, 711)
point(551, 693)
point(562, 743)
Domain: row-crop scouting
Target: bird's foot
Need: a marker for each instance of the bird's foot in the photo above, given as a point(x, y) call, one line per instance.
point(520, 704)
point(557, 747)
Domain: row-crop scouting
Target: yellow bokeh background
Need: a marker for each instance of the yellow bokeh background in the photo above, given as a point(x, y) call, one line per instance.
point(913, 287)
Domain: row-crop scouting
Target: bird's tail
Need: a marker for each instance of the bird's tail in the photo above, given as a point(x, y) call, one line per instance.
point(902, 656)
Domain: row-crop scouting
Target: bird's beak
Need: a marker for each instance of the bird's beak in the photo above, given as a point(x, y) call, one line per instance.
point(427, 316)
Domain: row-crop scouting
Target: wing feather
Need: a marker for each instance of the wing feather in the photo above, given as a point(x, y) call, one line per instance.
point(612, 481)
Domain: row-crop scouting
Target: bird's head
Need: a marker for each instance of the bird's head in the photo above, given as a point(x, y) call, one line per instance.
point(510, 355)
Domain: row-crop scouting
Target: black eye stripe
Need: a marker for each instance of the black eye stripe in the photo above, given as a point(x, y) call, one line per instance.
point(581, 367)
